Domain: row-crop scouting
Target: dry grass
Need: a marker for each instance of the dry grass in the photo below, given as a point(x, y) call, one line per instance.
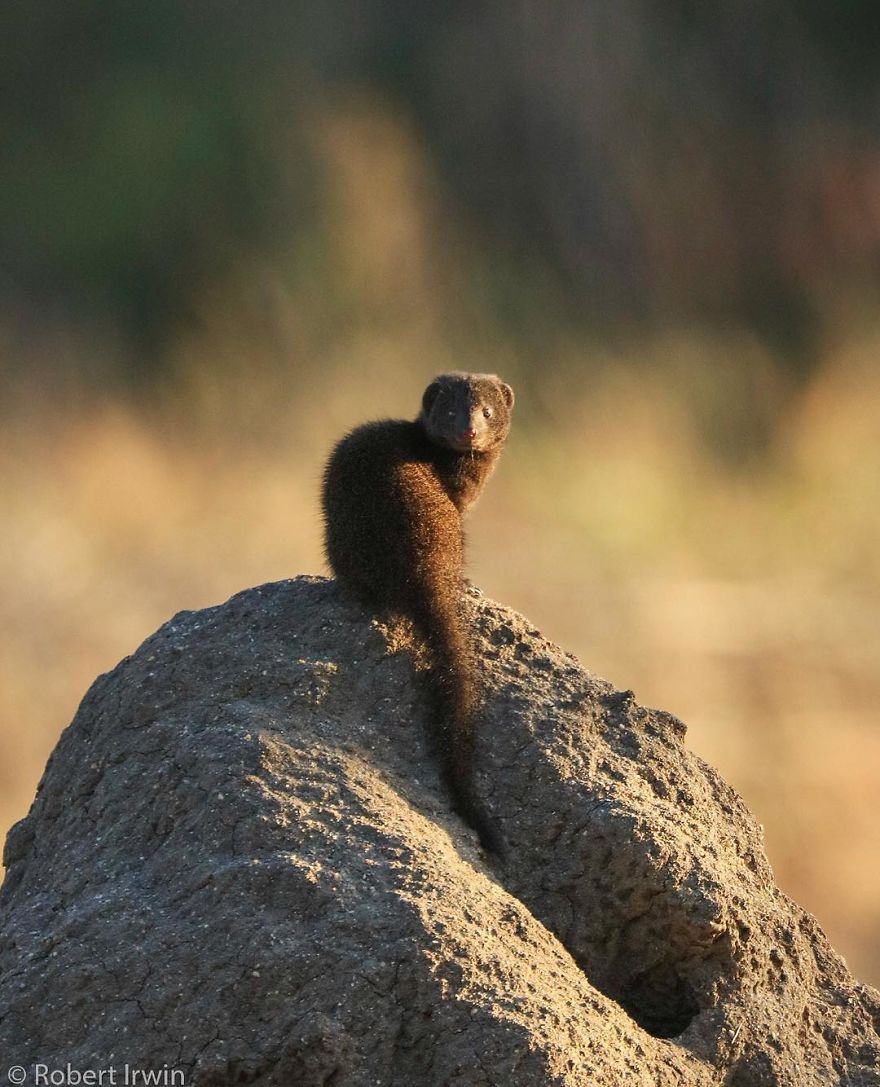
point(746, 602)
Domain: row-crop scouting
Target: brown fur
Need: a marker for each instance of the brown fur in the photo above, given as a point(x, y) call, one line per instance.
point(394, 494)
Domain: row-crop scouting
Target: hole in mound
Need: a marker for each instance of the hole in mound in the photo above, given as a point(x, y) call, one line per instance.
point(660, 1001)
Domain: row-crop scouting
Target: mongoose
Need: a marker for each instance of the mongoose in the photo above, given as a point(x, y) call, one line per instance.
point(393, 497)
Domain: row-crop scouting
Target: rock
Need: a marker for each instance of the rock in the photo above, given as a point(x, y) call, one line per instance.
point(241, 867)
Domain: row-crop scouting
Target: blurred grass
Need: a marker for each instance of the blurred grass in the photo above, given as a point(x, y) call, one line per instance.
point(742, 597)
point(692, 517)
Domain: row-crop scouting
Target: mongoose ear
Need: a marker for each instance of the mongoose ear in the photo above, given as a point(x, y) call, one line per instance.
point(507, 393)
point(429, 396)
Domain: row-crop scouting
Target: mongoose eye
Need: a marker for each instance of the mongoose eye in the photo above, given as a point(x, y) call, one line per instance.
point(487, 412)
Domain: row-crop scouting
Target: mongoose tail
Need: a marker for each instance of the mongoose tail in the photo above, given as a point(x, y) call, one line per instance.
point(452, 689)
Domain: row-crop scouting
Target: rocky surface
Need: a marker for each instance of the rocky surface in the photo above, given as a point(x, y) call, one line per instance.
point(241, 865)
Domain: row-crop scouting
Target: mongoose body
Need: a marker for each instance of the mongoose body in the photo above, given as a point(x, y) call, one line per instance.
point(394, 494)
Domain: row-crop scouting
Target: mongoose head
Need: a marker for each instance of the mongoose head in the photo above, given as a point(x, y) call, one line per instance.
point(467, 412)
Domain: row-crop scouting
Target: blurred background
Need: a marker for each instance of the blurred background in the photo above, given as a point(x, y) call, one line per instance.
point(228, 232)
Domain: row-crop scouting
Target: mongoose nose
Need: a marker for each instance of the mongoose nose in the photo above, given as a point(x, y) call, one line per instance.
point(470, 435)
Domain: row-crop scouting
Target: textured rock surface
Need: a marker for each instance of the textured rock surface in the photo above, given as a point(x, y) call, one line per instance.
point(240, 863)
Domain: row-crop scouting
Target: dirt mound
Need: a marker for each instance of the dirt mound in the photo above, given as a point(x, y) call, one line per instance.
point(241, 867)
